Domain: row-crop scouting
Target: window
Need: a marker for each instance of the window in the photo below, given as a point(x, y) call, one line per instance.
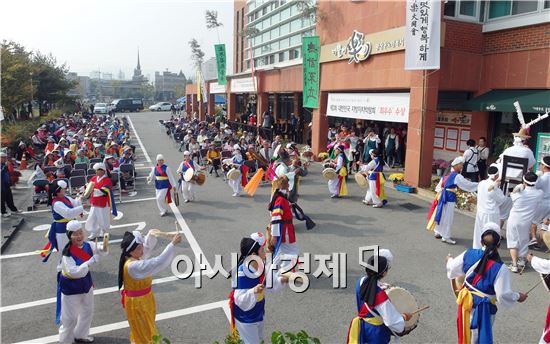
point(547, 4)
point(247, 64)
point(275, 32)
point(523, 6)
point(294, 54)
point(281, 56)
point(449, 9)
point(284, 43)
point(296, 25)
point(296, 39)
point(468, 8)
point(264, 11)
point(271, 59)
point(285, 14)
point(285, 29)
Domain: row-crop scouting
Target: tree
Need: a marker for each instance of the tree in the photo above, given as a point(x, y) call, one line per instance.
point(51, 80)
point(197, 55)
point(16, 75)
point(310, 10)
point(212, 22)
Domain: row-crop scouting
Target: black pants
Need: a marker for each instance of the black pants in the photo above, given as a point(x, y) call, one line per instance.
point(472, 176)
point(482, 167)
point(7, 198)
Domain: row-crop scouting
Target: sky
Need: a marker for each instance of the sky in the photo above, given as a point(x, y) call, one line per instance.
point(91, 35)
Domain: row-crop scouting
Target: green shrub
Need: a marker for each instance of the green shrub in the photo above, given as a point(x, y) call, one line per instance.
point(13, 133)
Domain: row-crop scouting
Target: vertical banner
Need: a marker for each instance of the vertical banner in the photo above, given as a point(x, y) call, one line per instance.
point(198, 76)
point(221, 63)
point(423, 34)
point(311, 50)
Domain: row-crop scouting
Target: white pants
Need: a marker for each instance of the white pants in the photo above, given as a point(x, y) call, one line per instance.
point(543, 211)
point(62, 241)
point(99, 220)
point(161, 195)
point(76, 316)
point(235, 185)
point(333, 186)
point(474, 334)
point(517, 234)
point(252, 333)
point(446, 222)
point(481, 220)
point(187, 190)
point(505, 208)
point(371, 196)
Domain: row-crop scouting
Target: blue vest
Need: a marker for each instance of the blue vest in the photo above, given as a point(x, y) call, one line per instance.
point(450, 184)
point(483, 308)
point(70, 286)
point(257, 312)
point(370, 333)
point(379, 168)
point(161, 184)
point(60, 227)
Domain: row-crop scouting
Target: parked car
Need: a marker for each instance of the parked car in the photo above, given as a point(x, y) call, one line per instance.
point(127, 105)
point(162, 106)
point(101, 108)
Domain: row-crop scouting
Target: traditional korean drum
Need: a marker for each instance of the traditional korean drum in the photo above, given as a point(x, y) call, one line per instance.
point(361, 179)
point(329, 173)
point(89, 190)
point(199, 177)
point(456, 284)
point(404, 302)
point(233, 174)
point(188, 175)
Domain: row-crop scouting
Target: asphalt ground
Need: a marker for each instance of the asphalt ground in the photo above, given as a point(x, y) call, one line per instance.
point(214, 225)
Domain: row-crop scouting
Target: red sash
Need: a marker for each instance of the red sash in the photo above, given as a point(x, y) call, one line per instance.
point(79, 253)
point(546, 335)
point(168, 197)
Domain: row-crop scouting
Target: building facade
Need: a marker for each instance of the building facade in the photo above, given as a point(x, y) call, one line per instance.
point(169, 86)
point(492, 53)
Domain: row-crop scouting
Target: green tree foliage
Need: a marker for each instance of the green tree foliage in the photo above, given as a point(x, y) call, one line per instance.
point(197, 55)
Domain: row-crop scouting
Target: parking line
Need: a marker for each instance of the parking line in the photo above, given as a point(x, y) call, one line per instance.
point(124, 324)
point(139, 140)
point(124, 201)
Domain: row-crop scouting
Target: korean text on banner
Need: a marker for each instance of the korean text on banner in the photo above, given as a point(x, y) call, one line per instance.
point(221, 63)
point(423, 34)
point(311, 49)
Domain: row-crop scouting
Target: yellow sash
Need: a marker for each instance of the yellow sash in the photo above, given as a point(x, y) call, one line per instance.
point(355, 327)
point(161, 178)
point(466, 301)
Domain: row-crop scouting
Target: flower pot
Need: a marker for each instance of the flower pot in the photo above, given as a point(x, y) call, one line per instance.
point(439, 172)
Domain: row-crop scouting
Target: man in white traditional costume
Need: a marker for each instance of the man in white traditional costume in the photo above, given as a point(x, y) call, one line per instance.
point(76, 286)
point(187, 187)
point(283, 169)
point(237, 161)
point(489, 199)
point(441, 214)
point(519, 150)
point(542, 266)
point(164, 182)
point(487, 283)
point(543, 210)
point(526, 199)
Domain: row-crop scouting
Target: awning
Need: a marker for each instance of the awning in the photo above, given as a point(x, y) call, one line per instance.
point(531, 101)
point(182, 100)
point(218, 99)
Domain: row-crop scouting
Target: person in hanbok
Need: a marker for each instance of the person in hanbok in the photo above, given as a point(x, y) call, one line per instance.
point(238, 162)
point(135, 273)
point(376, 194)
point(76, 285)
point(283, 168)
point(487, 284)
point(489, 200)
point(164, 182)
point(102, 203)
point(526, 199)
point(377, 317)
point(542, 266)
point(64, 209)
point(441, 215)
point(282, 243)
point(337, 187)
point(188, 187)
point(247, 299)
point(543, 209)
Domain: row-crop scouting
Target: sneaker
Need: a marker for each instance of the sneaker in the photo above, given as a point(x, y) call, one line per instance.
point(377, 205)
point(17, 211)
point(186, 201)
point(437, 236)
point(92, 237)
point(448, 241)
point(533, 242)
point(6, 215)
point(521, 263)
point(84, 340)
point(333, 196)
point(162, 214)
point(366, 202)
point(513, 268)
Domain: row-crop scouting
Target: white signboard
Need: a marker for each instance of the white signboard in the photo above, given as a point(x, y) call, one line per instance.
point(391, 107)
point(216, 88)
point(243, 85)
point(422, 36)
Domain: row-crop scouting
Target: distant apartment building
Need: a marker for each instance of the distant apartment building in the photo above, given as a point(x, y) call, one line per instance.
point(169, 86)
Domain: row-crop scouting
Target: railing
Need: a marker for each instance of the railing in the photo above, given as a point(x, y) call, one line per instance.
point(266, 133)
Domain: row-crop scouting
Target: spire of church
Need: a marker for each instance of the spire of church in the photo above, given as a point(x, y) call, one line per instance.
point(138, 64)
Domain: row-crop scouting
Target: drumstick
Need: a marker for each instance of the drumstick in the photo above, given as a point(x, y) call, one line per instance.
point(536, 285)
point(420, 310)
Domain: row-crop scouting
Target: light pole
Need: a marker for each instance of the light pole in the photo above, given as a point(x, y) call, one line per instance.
point(32, 95)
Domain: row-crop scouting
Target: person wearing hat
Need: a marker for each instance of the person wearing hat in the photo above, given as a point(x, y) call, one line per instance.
point(283, 237)
point(490, 199)
point(441, 213)
point(164, 182)
point(102, 201)
point(238, 162)
point(542, 266)
point(519, 149)
point(247, 299)
point(7, 196)
point(543, 209)
point(487, 283)
point(337, 187)
point(136, 268)
point(187, 187)
point(64, 209)
point(81, 157)
point(76, 285)
point(376, 194)
point(377, 317)
point(213, 157)
point(526, 199)
point(282, 168)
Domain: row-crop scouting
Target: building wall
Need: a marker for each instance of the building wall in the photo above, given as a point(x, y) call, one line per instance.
point(238, 49)
point(285, 80)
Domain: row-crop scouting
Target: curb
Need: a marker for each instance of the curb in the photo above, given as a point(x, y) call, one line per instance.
point(8, 234)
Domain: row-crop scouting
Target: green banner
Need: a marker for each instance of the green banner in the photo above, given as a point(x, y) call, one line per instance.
point(311, 49)
point(221, 61)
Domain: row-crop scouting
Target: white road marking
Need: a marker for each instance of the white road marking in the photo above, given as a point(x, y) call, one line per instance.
point(41, 228)
point(96, 292)
point(35, 253)
point(139, 141)
point(124, 324)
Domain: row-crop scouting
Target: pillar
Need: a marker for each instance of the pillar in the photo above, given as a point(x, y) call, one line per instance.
point(202, 115)
point(420, 132)
point(231, 100)
point(211, 105)
point(188, 103)
point(263, 106)
point(275, 107)
point(319, 126)
point(194, 105)
point(296, 102)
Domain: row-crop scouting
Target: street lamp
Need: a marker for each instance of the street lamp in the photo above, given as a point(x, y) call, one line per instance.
point(32, 95)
